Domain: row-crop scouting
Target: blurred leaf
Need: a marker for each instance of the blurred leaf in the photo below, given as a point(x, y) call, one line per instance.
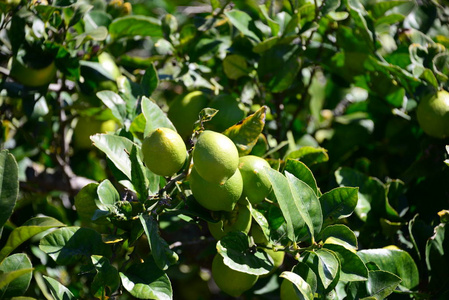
point(107, 276)
point(29, 229)
point(330, 6)
point(57, 290)
point(147, 281)
point(162, 254)
point(132, 26)
point(68, 245)
point(302, 286)
point(398, 262)
point(235, 250)
point(116, 149)
point(138, 179)
point(245, 134)
point(437, 247)
point(339, 234)
point(242, 22)
point(309, 155)
point(302, 172)
point(352, 267)
point(358, 13)
point(97, 34)
point(154, 116)
point(150, 81)
point(235, 66)
point(380, 8)
point(381, 284)
point(115, 103)
point(338, 203)
point(9, 185)
point(15, 275)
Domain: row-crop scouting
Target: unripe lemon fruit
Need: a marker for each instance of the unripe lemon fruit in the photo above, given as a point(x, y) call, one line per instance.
point(433, 114)
point(88, 126)
point(164, 152)
point(215, 196)
point(230, 281)
point(33, 76)
point(256, 185)
point(278, 259)
point(239, 219)
point(215, 157)
point(288, 291)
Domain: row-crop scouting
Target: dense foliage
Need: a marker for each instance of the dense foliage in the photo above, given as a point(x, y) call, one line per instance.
point(351, 203)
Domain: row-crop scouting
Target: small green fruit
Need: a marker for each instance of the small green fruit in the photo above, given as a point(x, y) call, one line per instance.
point(433, 114)
point(88, 126)
point(215, 157)
point(164, 152)
point(278, 259)
point(215, 196)
point(230, 281)
point(33, 77)
point(238, 219)
point(256, 185)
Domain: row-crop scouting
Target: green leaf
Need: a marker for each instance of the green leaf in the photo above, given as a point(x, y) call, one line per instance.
point(245, 134)
point(57, 290)
point(236, 253)
point(309, 155)
point(107, 194)
point(235, 66)
point(330, 6)
point(163, 255)
point(380, 8)
point(338, 203)
point(115, 103)
point(147, 281)
point(307, 274)
point(339, 234)
point(380, 284)
point(138, 179)
point(304, 289)
point(116, 149)
point(70, 244)
point(154, 116)
point(132, 26)
point(261, 221)
point(86, 204)
point(437, 248)
point(107, 276)
point(15, 275)
point(302, 172)
point(9, 185)
point(96, 34)
point(242, 22)
point(29, 229)
point(398, 262)
point(326, 265)
point(150, 81)
point(352, 267)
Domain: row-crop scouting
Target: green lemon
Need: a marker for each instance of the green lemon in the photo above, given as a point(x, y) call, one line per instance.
point(433, 114)
point(164, 152)
point(33, 77)
point(239, 219)
point(288, 291)
point(88, 126)
point(229, 113)
point(278, 259)
point(184, 111)
point(256, 185)
point(215, 196)
point(215, 156)
point(258, 235)
point(230, 281)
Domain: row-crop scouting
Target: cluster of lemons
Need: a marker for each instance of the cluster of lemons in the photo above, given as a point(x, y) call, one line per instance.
point(221, 182)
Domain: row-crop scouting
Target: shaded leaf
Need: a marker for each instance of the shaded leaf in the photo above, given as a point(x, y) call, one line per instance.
point(115, 103)
point(241, 21)
point(138, 179)
point(304, 289)
point(150, 81)
point(326, 265)
point(9, 185)
point(352, 267)
point(57, 290)
point(15, 275)
point(302, 172)
point(107, 276)
point(339, 234)
point(235, 66)
point(380, 284)
point(132, 26)
point(338, 203)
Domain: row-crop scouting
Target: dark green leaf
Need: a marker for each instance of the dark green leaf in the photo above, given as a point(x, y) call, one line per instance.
point(154, 116)
point(235, 66)
point(57, 290)
point(307, 274)
point(150, 81)
point(352, 267)
point(161, 252)
point(15, 275)
point(71, 244)
point(107, 195)
point(326, 265)
point(437, 260)
point(236, 253)
point(330, 6)
point(29, 229)
point(302, 172)
point(9, 185)
point(304, 289)
point(138, 179)
point(107, 276)
point(338, 203)
point(309, 155)
point(132, 26)
point(261, 221)
point(339, 234)
point(381, 7)
point(147, 281)
point(381, 284)
point(86, 203)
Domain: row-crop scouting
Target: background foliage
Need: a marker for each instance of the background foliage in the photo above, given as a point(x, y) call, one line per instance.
point(359, 191)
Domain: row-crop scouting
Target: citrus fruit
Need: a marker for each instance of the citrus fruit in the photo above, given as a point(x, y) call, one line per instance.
point(215, 157)
point(239, 219)
point(164, 151)
point(184, 111)
point(33, 76)
point(288, 291)
point(278, 259)
point(230, 281)
point(229, 113)
point(256, 185)
point(88, 126)
point(215, 196)
point(258, 235)
point(433, 114)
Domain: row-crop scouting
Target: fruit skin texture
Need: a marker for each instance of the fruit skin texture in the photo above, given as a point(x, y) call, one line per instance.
point(215, 196)
point(32, 77)
point(230, 281)
point(433, 114)
point(88, 126)
point(237, 220)
point(183, 112)
point(215, 157)
point(288, 291)
point(164, 152)
point(256, 185)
